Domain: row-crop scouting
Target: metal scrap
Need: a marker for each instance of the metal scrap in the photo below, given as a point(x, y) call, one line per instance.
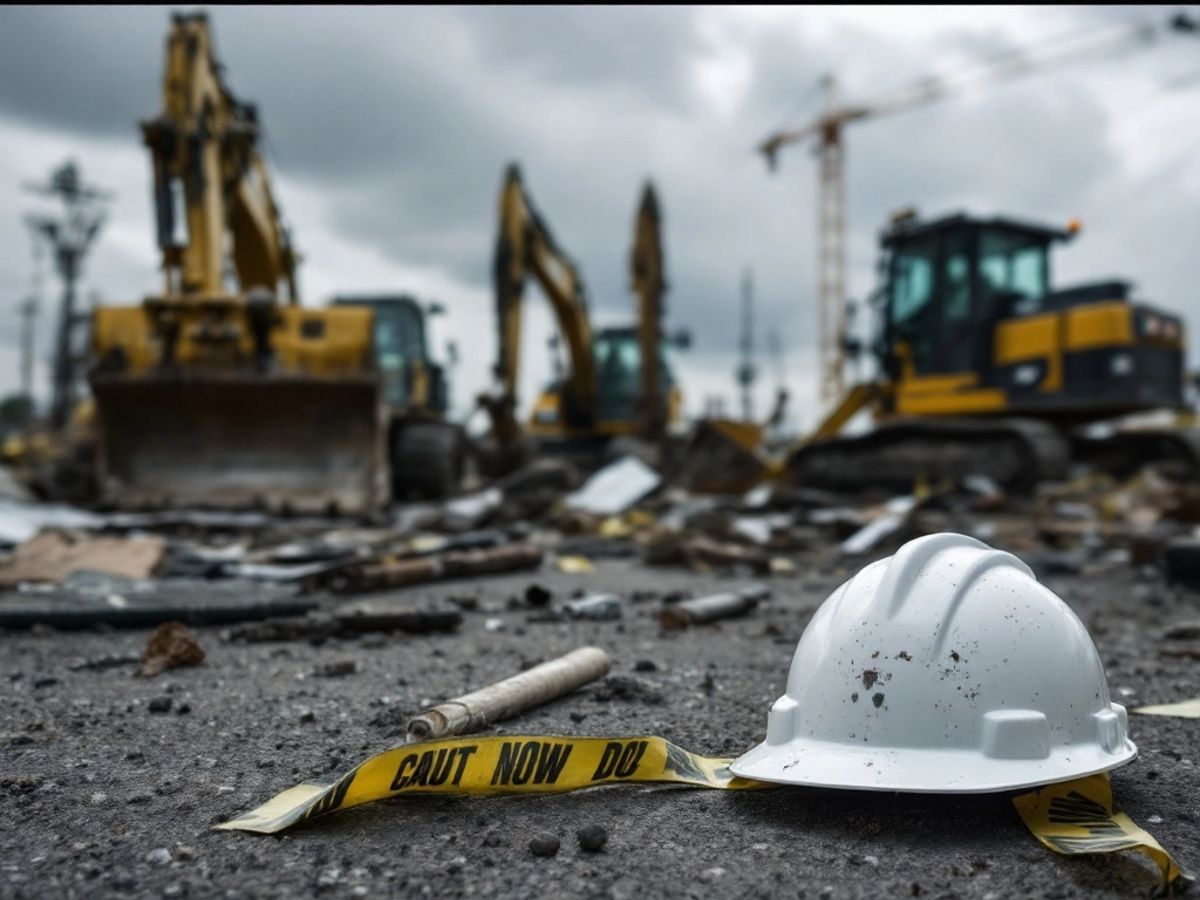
point(686, 613)
point(455, 564)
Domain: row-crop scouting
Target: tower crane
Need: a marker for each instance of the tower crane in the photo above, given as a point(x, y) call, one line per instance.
point(825, 131)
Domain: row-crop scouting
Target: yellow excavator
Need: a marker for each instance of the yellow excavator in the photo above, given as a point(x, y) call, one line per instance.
point(222, 390)
point(616, 382)
point(985, 368)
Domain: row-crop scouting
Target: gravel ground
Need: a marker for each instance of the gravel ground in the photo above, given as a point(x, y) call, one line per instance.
point(101, 797)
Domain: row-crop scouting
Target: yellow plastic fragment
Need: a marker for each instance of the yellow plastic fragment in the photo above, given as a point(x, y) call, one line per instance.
point(574, 565)
point(1185, 709)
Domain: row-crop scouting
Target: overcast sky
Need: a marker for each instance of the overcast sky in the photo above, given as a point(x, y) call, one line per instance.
point(389, 129)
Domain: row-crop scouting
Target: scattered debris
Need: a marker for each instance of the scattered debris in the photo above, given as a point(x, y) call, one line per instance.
point(537, 596)
point(454, 564)
point(1183, 631)
point(574, 565)
point(1186, 709)
point(709, 609)
point(337, 669)
point(466, 513)
point(629, 689)
point(20, 521)
point(348, 621)
point(171, 646)
point(615, 488)
point(116, 612)
point(54, 554)
point(506, 698)
point(598, 607)
point(895, 514)
point(1181, 559)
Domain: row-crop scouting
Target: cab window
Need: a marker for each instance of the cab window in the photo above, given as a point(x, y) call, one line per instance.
point(1014, 265)
point(912, 307)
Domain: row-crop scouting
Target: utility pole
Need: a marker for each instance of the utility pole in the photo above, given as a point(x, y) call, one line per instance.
point(28, 313)
point(747, 373)
point(69, 237)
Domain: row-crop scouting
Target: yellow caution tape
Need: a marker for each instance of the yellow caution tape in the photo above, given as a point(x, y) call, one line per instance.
point(1185, 709)
point(1078, 817)
point(508, 764)
point(1071, 818)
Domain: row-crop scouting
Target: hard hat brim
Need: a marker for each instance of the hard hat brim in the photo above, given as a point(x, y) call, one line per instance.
point(925, 771)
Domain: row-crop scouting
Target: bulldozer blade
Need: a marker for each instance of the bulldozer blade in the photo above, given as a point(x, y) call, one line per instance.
point(301, 444)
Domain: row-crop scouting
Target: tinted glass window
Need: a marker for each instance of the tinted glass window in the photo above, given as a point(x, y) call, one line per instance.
point(912, 308)
point(1015, 265)
point(912, 280)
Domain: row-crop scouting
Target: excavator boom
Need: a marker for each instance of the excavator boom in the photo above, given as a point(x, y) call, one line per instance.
point(525, 247)
point(649, 285)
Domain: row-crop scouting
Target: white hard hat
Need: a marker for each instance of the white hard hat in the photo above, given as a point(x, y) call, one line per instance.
point(946, 668)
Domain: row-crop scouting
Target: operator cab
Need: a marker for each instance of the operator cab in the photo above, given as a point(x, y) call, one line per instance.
point(401, 352)
point(618, 356)
point(971, 323)
point(951, 280)
point(618, 359)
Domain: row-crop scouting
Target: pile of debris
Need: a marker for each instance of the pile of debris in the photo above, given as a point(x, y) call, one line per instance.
point(70, 568)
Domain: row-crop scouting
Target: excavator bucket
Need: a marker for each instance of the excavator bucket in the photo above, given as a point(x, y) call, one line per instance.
point(284, 443)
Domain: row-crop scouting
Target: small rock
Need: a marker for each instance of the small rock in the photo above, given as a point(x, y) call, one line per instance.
point(159, 856)
point(592, 838)
point(48, 681)
point(307, 715)
point(538, 596)
point(160, 704)
point(543, 845)
point(645, 665)
point(494, 625)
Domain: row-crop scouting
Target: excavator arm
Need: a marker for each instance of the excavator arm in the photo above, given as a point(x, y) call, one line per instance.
point(526, 248)
point(206, 165)
point(649, 284)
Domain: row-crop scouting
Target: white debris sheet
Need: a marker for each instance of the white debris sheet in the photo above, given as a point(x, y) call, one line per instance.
point(615, 488)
